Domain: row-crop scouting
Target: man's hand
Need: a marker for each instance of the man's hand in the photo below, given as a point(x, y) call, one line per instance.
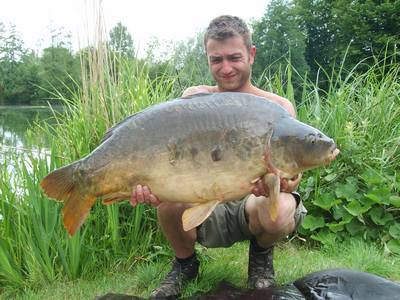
point(290, 185)
point(287, 186)
point(197, 90)
point(142, 194)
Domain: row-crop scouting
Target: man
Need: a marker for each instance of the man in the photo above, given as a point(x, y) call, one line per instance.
point(230, 56)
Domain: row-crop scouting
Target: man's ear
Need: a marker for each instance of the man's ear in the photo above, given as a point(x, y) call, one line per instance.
point(252, 54)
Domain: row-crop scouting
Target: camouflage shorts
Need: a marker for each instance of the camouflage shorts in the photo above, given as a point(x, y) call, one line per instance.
point(227, 224)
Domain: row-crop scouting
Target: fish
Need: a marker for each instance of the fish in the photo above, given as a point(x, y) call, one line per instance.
point(203, 150)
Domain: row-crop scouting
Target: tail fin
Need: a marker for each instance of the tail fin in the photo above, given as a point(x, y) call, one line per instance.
point(76, 210)
point(60, 185)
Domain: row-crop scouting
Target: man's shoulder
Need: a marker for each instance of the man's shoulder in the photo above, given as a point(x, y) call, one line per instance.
point(285, 103)
point(199, 89)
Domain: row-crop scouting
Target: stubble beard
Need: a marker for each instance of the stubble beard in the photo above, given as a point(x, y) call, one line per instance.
point(236, 85)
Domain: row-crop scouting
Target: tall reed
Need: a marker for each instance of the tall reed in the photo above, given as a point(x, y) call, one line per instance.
point(34, 247)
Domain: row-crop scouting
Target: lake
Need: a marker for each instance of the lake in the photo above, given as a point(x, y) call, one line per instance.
point(15, 121)
point(15, 147)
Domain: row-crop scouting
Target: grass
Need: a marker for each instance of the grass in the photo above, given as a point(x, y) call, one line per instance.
point(292, 261)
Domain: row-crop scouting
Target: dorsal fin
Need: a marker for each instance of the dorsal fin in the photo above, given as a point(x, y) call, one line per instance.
point(111, 130)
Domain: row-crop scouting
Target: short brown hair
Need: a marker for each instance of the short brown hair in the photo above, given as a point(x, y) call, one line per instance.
point(226, 26)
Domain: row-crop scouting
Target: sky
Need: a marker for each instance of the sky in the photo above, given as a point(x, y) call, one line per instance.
point(169, 20)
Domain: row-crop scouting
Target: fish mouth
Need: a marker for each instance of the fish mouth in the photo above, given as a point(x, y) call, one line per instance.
point(333, 153)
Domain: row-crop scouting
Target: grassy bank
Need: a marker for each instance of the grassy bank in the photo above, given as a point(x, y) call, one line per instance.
point(293, 260)
point(357, 197)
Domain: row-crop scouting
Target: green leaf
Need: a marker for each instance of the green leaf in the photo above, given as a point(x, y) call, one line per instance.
point(339, 212)
point(379, 217)
point(379, 196)
point(372, 177)
point(355, 227)
point(356, 209)
point(394, 200)
point(372, 234)
point(374, 198)
point(310, 222)
point(330, 177)
point(346, 191)
point(394, 231)
point(336, 227)
point(325, 237)
point(394, 246)
point(326, 201)
point(376, 215)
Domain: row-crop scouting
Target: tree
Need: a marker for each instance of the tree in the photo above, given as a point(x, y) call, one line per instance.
point(279, 41)
point(368, 28)
point(359, 28)
point(190, 61)
point(59, 71)
point(319, 23)
point(121, 40)
point(18, 69)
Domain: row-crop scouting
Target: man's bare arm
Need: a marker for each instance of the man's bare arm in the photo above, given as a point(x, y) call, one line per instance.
point(285, 103)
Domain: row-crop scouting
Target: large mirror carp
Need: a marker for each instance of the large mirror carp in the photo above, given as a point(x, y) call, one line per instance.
point(204, 149)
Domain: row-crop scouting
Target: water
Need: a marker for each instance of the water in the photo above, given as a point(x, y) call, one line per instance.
point(16, 147)
point(16, 120)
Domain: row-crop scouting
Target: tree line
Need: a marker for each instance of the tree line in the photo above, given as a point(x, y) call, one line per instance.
point(313, 37)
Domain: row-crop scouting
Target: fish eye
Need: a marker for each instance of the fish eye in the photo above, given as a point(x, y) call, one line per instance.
point(312, 138)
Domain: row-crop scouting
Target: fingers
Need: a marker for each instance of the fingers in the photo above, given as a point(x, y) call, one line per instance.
point(154, 201)
point(133, 200)
point(290, 185)
point(139, 194)
point(259, 189)
point(284, 184)
point(142, 194)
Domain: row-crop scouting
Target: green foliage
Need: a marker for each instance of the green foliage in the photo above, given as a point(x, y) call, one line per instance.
point(186, 60)
point(190, 61)
point(26, 78)
point(318, 22)
point(59, 72)
point(358, 195)
point(359, 29)
point(121, 41)
point(34, 246)
point(370, 27)
point(279, 41)
point(18, 68)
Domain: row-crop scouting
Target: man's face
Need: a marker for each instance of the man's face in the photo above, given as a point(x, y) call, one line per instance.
point(230, 63)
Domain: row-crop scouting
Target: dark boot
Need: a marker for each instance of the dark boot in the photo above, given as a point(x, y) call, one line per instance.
point(171, 286)
point(261, 269)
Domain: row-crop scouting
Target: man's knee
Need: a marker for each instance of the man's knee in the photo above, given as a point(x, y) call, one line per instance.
point(285, 221)
point(171, 210)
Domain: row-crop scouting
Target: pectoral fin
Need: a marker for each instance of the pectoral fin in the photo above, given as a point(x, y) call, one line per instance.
point(273, 183)
point(115, 197)
point(196, 215)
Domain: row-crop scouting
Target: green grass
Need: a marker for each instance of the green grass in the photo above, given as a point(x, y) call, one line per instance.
point(292, 261)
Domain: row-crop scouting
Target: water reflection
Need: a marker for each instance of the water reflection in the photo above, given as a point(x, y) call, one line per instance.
point(16, 148)
point(16, 120)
